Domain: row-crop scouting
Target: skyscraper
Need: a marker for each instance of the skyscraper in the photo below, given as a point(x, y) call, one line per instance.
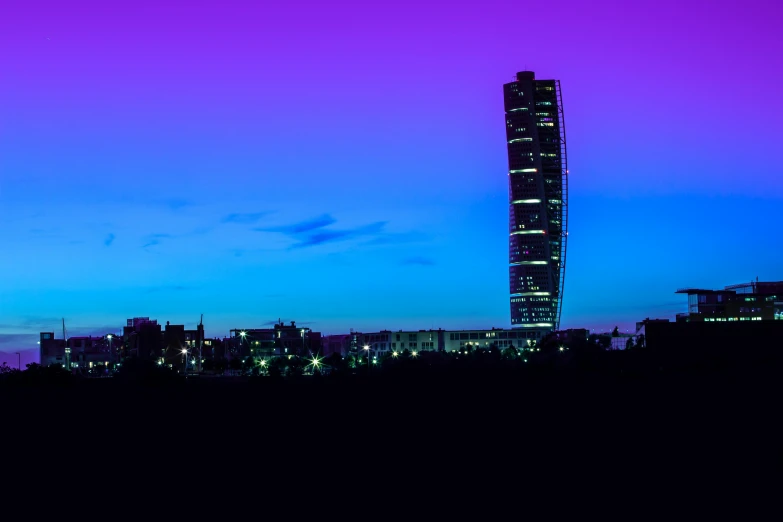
point(538, 201)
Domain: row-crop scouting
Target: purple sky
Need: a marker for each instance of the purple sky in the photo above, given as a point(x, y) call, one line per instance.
point(343, 164)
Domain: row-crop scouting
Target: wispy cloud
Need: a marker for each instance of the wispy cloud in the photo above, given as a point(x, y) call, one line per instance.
point(166, 288)
point(47, 233)
point(396, 238)
point(303, 226)
point(418, 260)
point(154, 239)
point(109, 240)
point(18, 340)
point(34, 323)
point(176, 203)
point(314, 232)
point(246, 218)
point(332, 236)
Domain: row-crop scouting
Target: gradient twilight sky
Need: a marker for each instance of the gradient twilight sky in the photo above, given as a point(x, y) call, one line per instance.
point(343, 164)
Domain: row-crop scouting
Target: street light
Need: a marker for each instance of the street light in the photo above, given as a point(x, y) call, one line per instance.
point(185, 360)
point(315, 362)
point(242, 335)
point(19, 360)
point(110, 337)
point(368, 356)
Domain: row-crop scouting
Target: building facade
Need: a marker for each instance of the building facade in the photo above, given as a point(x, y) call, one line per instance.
point(538, 201)
point(388, 342)
point(78, 353)
point(754, 301)
point(282, 339)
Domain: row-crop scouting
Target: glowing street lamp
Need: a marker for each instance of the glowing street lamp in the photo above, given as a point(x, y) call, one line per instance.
point(110, 337)
point(184, 352)
point(367, 348)
point(414, 353)
point(316, 362)
point(242, 336)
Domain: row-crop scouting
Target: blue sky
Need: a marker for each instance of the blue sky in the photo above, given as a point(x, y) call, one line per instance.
point(252, 163)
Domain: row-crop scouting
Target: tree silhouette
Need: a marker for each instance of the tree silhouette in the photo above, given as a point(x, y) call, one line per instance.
point(509, 353)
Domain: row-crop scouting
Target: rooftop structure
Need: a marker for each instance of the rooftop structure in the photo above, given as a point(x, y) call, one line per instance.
point(754, 301)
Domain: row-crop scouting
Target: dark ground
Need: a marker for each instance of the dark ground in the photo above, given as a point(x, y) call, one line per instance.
point(493, 423)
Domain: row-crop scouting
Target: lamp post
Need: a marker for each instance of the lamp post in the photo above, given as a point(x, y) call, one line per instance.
point(110, 337)
point(19, 360)
point(303, 344)
point(367, 348)
point(185, 358)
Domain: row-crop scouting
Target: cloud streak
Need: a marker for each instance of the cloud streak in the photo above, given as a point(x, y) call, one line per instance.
point(176, 203)
point(155, 239)
point(418, 260)
point(244, 219)
point(314, 232)
point(166, 288)
point(332, 236)
point(303, 226)
point(396, 238)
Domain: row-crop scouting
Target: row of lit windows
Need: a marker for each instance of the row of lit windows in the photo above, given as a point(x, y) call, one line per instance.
point(724, 319)
point(473, 336)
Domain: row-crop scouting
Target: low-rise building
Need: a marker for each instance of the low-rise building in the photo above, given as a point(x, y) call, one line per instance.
point(754, 301)
point(78, 352)
point(282, 339)
point(387, 341)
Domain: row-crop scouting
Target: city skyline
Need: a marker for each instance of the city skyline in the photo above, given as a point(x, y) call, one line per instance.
point(343, 165)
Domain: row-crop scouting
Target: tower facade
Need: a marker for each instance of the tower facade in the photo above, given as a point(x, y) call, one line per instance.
point(538, 201)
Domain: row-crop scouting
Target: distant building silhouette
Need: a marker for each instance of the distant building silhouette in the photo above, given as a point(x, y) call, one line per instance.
point(77, 352)
point(387, 342)
point(754, 301)
point(143, 338)
point(538, 202)
point(744, 319)
point(282, 339)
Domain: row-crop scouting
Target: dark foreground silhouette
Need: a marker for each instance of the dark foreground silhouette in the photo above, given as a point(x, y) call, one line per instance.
point(626, 413)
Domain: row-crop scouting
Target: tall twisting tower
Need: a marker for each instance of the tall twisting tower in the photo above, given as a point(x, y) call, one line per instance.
point(538, 202)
